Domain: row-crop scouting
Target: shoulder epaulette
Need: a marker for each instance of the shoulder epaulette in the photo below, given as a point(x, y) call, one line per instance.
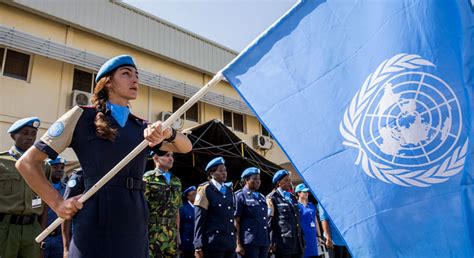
point(138, 119)
point(238, 191)
point(148, 173)
point(204, 184)
point(87, 107)
point(271, 194)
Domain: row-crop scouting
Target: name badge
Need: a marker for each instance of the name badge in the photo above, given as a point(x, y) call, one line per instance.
point(312, 224)
point(36, 202)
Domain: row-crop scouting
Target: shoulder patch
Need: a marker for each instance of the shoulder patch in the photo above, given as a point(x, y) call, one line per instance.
point(56, 129)
point(59, 135)
point(201, 198)
point(71, 183)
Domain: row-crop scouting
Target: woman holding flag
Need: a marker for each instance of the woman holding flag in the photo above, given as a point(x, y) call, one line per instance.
point(113, 223)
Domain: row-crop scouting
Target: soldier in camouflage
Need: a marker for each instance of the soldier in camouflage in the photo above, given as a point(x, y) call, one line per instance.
point(163, 195)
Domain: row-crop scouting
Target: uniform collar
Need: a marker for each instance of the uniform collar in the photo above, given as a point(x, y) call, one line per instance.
point(190, 203)
point(119, 113)
point(160, 172)
point(15, 152)
point(281, 191)
point(216, 184)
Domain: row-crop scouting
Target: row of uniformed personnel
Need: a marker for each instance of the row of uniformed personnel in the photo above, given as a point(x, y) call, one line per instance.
point(246, 222)
point(215, 209)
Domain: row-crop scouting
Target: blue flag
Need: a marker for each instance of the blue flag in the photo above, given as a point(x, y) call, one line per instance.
point(372, 102)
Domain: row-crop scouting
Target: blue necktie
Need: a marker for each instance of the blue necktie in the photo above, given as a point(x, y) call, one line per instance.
point(223, 190)
point(255, 195)
point(119, 113)
point(287, 196)
point(167, 176)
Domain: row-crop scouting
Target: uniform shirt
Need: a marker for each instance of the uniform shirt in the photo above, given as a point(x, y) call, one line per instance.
point(214, 227)
point(285, 226)
point(251, 208)
point(113, 222)
point(309, 224)
point(163, 199)
point(60, 187)
point(75, 185)
point(335, 236)
point(16, 197)
point(186, 228)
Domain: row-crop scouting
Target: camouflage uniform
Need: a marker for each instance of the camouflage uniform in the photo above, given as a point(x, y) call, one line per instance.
point(163, 201)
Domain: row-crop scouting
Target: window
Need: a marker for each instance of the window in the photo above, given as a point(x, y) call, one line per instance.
point(192, 114)
point(2, 52)
point(264, 131)
point(15, 64)
point(83, 81)
point(234, 120)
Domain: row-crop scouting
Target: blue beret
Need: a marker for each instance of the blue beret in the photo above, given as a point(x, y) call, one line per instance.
point(57, 160)
point(250, 171)
point(280, 174)
point(301, 188)
point(29, 121)
point(114, 63)
point(189, 189)
point(214, 163)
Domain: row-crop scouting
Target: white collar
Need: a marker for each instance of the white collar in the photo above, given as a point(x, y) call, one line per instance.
point(190, 203)
point(216, 184)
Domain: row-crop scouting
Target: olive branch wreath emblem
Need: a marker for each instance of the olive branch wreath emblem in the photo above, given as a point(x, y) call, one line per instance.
point(352, 117)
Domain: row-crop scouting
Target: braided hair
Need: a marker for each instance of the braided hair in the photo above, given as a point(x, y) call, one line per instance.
point(103, 123)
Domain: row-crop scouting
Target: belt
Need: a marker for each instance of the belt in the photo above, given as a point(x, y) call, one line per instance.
point(19, 219)
point(162, 220)
point(129, 183)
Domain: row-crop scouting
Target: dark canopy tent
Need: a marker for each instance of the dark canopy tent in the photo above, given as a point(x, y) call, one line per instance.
point(214, 139)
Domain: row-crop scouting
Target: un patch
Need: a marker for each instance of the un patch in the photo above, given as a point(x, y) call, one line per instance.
point(56, 129)
point(71, 183)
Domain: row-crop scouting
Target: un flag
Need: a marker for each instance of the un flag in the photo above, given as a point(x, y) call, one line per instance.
point(372, 102)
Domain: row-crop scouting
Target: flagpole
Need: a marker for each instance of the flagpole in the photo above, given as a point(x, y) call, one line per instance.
point(97, 186)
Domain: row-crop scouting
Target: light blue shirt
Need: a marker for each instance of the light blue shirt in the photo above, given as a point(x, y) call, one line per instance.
point(335, 236)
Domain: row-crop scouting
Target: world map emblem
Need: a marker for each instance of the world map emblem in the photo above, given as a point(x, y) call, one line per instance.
point(406, 124)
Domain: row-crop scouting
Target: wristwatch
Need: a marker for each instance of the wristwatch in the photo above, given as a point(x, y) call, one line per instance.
point(172, 137)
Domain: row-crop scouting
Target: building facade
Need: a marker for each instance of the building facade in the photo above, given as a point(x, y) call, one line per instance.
point(50, 51)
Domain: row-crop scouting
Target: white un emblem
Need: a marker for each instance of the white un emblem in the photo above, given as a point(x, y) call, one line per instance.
point(406, 125)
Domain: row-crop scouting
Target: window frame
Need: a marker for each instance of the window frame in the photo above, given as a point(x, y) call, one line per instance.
point(4, 61)
point(184, 116)
point(94, 74)
point(265, 132)
point(244, 120)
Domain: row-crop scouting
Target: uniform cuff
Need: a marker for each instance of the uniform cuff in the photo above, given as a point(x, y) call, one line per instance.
point(40, 145)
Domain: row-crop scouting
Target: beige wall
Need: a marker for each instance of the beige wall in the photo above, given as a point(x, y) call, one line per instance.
point(47, 93)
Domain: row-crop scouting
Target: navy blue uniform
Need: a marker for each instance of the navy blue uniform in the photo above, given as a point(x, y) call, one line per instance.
point(114, 222)
point(214, 230)
point(186, 228)
point(54, 242)
point(285, 226)
point(252, 209)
